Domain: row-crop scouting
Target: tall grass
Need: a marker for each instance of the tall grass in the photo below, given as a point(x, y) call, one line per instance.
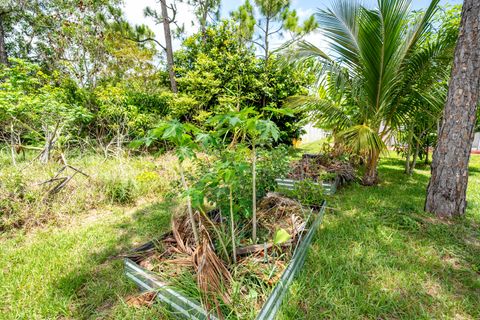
point(25, 200)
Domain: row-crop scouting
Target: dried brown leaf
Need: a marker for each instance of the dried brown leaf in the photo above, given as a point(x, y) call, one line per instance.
point(143, 300)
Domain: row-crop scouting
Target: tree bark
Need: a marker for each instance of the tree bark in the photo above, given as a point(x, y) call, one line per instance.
point(3, 49)
point(168, 45)
point(407, 159)
point(415, 157)
point(446, 192)
point(370, 177)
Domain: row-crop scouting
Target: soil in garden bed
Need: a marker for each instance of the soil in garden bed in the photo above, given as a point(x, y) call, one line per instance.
point(207, 272)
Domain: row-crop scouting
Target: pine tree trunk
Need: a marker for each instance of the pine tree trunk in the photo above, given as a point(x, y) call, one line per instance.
point(446, 192)
point(168, 45)
point(3, 49)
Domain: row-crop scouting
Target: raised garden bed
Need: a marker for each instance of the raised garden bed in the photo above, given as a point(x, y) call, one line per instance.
point(317, 169)
point(185, 307)
point(329, 187)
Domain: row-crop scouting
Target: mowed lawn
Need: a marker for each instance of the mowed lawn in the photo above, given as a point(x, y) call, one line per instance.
point(377, 256)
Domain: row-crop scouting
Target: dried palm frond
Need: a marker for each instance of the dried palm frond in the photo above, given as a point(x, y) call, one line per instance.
point(183, 234)
point(213, 277)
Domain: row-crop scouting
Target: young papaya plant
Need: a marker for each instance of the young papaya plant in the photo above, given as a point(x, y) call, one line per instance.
point(181, 136)
point(229, 173)
point(258, 131)
point(248, 127)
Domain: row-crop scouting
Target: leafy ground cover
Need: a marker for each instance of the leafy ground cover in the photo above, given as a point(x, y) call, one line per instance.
point(377, 256)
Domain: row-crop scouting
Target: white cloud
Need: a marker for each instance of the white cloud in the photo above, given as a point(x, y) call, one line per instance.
point(304, 13)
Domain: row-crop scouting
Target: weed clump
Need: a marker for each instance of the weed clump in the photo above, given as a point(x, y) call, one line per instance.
point(120, 191)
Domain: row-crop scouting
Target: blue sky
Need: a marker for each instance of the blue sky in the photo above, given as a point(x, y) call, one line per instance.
point(312, 5)
point(134, 12)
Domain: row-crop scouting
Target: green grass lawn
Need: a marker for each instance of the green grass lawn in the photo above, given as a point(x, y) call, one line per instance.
point(377, 256)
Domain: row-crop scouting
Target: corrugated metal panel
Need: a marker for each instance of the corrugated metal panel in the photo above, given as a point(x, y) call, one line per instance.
point(180, 305)
point(289, 184)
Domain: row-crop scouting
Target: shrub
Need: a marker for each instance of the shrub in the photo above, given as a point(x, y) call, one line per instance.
point(272, 164)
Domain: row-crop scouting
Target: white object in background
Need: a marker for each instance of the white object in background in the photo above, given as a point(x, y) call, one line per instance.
point(476, 141)
point(313, 134)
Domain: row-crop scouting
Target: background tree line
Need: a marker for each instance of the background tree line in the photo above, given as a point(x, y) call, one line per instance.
point(78, 74)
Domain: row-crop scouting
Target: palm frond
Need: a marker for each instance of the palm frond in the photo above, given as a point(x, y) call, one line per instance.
point(339, 25)
point(362, 139)
point(322, 111)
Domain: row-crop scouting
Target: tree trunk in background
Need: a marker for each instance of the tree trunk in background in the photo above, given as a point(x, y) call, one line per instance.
point(426, 150)
point(254, 194)
point(168, 45)
point(446, 192)
point(203, 22)
point(407, 158)
point(415, 157)
point(408, 152)
point(3, 49)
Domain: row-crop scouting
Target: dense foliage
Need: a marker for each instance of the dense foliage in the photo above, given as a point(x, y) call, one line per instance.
point(387, 68)
point(96, 77)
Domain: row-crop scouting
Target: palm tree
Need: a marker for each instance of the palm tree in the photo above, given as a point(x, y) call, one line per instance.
point(371, 73)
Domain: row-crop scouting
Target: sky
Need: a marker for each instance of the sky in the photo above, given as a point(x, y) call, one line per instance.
point(134, 13)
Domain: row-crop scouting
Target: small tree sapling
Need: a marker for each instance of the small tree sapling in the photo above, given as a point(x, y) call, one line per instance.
point(181, 136)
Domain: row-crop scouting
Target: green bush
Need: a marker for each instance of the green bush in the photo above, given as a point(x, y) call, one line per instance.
point(272, 164)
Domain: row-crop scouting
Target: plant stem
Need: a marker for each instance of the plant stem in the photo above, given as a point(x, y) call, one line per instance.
point(12, 145)
point(219, 235)
point(189, 204)
point(254, 194)
point(232, 227)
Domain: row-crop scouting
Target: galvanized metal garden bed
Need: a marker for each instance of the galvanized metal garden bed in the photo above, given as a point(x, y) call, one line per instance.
point(329, 187)
point(187, 308)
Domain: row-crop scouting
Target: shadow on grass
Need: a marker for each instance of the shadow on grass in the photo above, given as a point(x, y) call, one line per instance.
point(99, 284)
